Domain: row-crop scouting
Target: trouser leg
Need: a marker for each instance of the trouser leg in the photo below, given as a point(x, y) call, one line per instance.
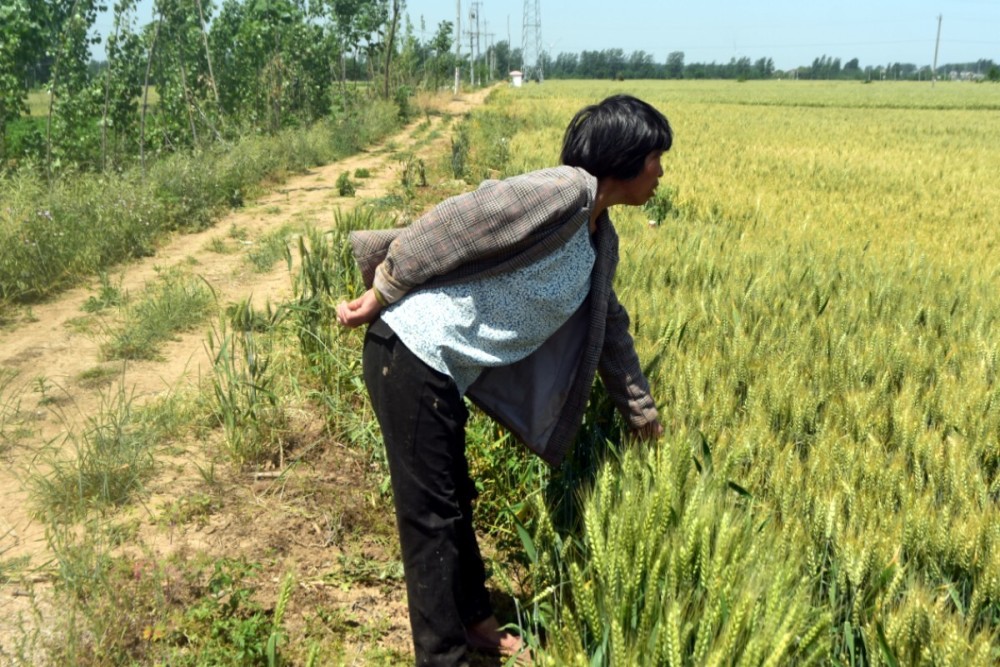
point(423, 421)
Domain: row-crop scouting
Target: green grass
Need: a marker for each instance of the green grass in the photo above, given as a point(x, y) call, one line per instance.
point(224, 621)
point(11, 421)
point(99, 376)
point(345, 187)
point(219, 245)
point(269, 249)
point(245, 386)
point(175, 303)
point(196, 509)
point(112, 459)
point(51, 236)
point(38, 102)
point(108, 295)
point(12, 568)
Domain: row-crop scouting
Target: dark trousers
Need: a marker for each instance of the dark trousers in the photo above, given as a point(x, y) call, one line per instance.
point(423, 418)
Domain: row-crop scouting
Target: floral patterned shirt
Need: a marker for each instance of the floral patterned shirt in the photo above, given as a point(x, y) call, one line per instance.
point(461, 329)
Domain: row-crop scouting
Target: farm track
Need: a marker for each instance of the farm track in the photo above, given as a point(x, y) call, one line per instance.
point(49, 355)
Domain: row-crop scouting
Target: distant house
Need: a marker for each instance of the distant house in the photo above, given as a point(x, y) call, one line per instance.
point(517, 78)
point(955, 75)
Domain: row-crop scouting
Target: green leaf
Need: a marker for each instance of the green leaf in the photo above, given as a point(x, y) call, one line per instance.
point(887, 653)
point(529, 544)
point(739, 489)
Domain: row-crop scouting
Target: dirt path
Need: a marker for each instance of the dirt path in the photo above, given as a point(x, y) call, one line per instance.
point(49, 354)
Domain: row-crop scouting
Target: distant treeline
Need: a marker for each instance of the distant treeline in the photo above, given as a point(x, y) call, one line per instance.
point(616, 64)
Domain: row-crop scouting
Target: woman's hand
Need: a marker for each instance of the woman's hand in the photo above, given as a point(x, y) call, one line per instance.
point(362, 310)
point(650, 432)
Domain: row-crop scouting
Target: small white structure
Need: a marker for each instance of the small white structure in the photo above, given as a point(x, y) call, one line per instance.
point(516, 78)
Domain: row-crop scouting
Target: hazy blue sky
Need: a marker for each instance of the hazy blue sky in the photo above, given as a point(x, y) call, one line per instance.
point(791, 32)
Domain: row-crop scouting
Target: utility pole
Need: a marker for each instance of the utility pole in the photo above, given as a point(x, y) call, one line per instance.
point(479, 50)
point(472, 54)
point(490, 62)
point(510, 47)
point(458, 42)
point(474, 33)
point(937, 43)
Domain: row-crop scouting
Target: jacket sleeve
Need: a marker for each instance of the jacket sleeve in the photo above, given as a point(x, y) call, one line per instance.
point(496, 220)
point(620, 369)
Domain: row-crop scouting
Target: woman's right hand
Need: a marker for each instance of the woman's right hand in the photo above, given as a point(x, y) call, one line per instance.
point(362, 310)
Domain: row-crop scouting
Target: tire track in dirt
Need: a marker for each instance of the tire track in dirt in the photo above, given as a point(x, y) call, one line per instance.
point(48, 354)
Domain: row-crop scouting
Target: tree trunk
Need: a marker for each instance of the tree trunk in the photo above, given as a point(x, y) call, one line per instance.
point(188, 103)
point(393, 23)
point(343, 76)
point(276, 83)
point(208, 57)
point(145, 96)
point(107, 95)
point(52, 97)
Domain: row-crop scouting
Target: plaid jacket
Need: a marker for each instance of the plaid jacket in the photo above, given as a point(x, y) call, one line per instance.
point(505, 225)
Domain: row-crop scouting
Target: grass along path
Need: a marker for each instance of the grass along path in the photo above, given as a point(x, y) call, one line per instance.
point(56, 376)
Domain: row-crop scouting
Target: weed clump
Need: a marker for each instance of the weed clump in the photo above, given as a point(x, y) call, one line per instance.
point(345, 187)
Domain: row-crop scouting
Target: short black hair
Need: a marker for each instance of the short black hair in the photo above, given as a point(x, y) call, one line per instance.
point(614, 137)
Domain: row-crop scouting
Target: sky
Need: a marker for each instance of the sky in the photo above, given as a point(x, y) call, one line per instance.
point(790, 32)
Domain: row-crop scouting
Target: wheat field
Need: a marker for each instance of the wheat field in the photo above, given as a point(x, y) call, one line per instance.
point(818, 280)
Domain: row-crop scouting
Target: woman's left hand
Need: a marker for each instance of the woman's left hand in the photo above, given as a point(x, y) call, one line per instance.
point(650, 432)
point(362, 310)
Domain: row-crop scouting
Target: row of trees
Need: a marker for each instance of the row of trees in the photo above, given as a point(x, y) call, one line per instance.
point(206, 70)
point(826, 67)
point(615, 63)
point(201, 71)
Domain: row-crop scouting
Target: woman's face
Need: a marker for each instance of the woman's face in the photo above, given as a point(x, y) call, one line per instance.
point(641, 187)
